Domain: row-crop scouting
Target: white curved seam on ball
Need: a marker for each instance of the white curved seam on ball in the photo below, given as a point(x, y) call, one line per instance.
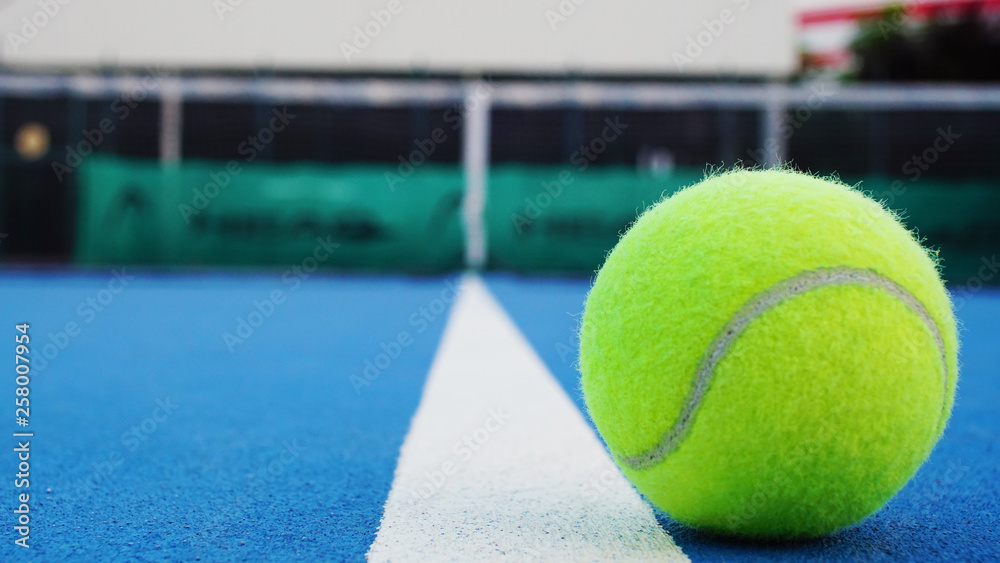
point(756, 307)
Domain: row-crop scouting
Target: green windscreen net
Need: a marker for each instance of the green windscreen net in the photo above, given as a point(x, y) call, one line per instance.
point(960, 219)
point(552, 218)
point(537, 222)
point(224, 214)
point(537, 218)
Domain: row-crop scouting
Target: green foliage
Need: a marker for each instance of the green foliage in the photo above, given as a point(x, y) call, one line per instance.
point(897, 47)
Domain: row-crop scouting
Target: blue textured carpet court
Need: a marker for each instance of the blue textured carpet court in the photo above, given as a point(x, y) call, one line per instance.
point(243, 418)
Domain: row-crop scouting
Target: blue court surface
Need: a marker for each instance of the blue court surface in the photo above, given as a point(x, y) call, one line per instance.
point(247, 417)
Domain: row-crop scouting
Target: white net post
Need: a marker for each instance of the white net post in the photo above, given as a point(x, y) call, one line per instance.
point(475, 163)
point(773, 144)
point(171, 122)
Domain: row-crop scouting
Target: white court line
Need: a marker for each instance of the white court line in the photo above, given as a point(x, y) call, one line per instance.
point(531, 481)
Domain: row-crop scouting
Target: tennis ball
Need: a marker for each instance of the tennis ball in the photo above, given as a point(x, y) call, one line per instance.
point(768, 355)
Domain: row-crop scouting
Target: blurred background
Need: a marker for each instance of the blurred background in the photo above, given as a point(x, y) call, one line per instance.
point(432, 136)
